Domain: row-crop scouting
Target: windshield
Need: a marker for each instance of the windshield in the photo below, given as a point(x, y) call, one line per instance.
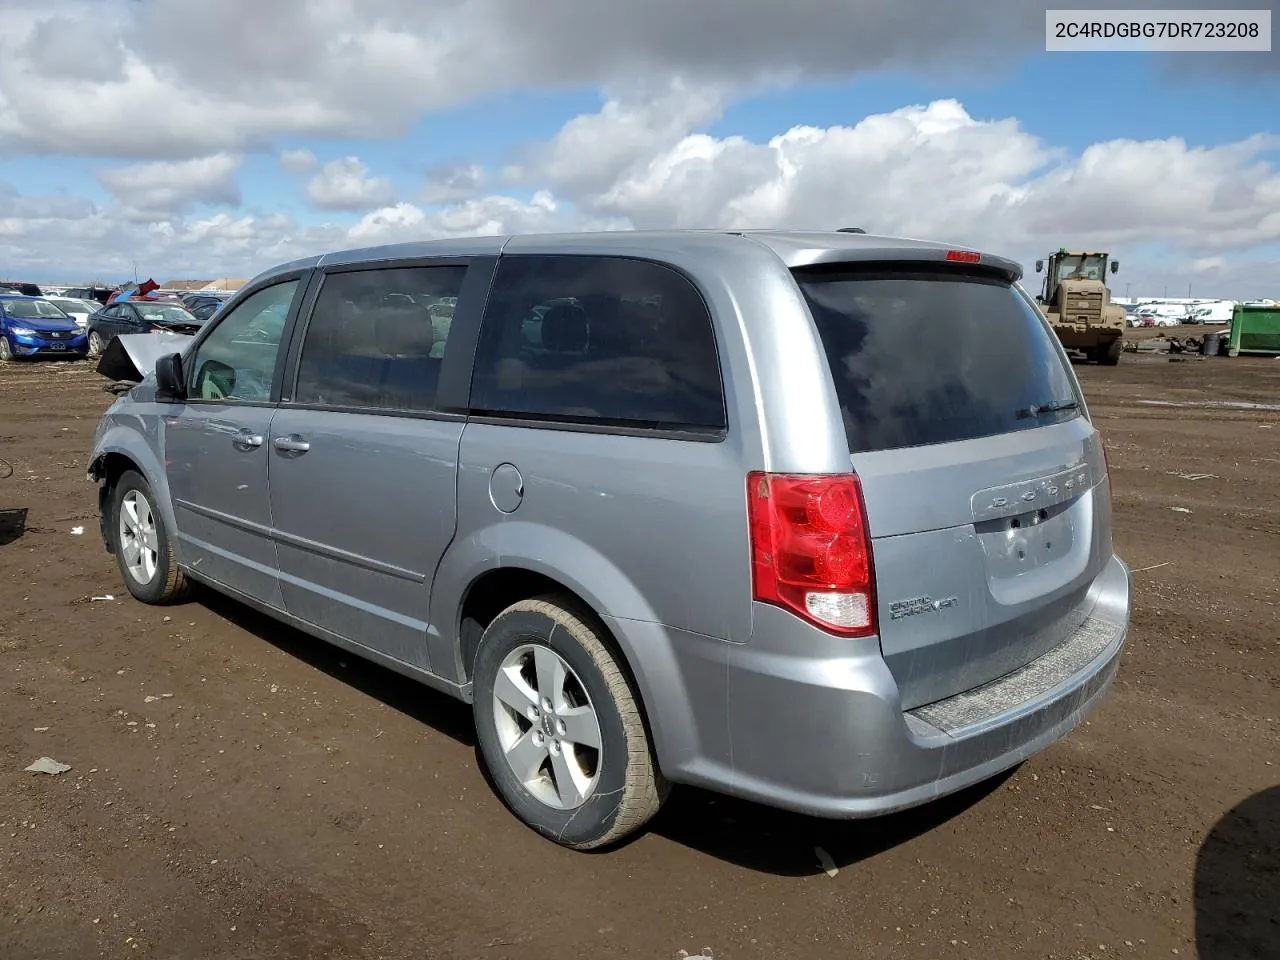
point(33, 310)
point(71, 305)
point(1091, 267)
point(164, 313)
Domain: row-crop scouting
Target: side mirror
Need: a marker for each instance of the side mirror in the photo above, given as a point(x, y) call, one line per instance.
point(1115, 265)
point(170, 382)
point(1039, 266)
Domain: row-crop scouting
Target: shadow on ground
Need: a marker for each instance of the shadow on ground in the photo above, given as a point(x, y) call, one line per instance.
point(781, 843)
point(410, 697)
point(749, 835)
point(1237, 884)
point(13, 524)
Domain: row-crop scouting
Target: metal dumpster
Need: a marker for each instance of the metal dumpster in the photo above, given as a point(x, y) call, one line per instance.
point(1255, 328)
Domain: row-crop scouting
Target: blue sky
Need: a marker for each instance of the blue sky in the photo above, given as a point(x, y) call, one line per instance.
point(994, 154)
point(1120, 95)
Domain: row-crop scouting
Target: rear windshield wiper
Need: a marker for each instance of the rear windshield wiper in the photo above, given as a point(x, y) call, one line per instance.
point(1054, 406)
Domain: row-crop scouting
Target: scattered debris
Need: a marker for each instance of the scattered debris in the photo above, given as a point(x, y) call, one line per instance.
point(77, 531)
point(48, 765)
point(1222, 404)
point(704, 955)
point(1179, 509)
point(826, 862)
point(1192, 476)
point(105, 596)
point(41, 729)
point(149, 699)
point(1155, 566)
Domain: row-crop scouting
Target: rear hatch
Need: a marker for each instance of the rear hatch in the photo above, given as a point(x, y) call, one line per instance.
point(983, 478)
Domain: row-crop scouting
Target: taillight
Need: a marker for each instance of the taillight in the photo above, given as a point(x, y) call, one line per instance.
point(810, 549)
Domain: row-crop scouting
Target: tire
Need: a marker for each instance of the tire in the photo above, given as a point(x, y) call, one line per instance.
point(624, 787)
point(166, 583)
point(1110, 356)
point(96, 346)
point(6, 351)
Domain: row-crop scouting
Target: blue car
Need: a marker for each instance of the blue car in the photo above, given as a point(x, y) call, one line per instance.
point(32, 326)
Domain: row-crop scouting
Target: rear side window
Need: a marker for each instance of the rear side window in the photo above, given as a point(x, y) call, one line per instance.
point(376, 338)
point(598, 340)
point(930, 355)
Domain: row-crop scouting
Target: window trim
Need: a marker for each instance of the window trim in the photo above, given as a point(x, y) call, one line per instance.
point(306, 281)
point(636, 428)
point(474, 291)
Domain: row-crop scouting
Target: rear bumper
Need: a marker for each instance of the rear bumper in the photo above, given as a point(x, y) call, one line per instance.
point(804, 721)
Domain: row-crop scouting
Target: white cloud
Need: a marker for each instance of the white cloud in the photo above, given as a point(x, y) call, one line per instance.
point(934, 171)
point(298, 161)
point(151, 190)
point(348, 68)
point(449, 183)
point(1171, 211)
point(345, 184)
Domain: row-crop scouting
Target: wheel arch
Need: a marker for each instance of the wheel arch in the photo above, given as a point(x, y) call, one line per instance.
point(121, 450)
point(650, 667)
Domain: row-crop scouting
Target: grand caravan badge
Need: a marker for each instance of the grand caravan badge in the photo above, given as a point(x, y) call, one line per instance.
point(917, 605)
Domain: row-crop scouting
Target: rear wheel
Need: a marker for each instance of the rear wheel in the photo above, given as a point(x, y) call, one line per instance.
point(560, 729)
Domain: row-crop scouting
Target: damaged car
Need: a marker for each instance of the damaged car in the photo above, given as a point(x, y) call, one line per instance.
point(138, 316)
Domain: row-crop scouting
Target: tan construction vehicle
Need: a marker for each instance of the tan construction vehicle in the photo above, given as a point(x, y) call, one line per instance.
point(1077, 303)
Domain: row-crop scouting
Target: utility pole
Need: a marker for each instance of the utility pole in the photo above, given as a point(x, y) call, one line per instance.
point(1126, 290)
point(1188, 291)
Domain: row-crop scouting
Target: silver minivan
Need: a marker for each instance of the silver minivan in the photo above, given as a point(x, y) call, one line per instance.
point(814, 519)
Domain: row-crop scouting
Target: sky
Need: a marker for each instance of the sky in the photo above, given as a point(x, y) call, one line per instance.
point(184, 139)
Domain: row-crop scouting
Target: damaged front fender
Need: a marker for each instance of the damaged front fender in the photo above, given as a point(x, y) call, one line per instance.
point(131, 358)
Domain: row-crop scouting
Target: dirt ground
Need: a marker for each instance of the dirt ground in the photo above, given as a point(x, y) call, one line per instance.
point(238, 790)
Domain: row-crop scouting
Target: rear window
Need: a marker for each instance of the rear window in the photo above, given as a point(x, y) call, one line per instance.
point(926, 355)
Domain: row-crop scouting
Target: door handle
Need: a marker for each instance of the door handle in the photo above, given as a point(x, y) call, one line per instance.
point(291, 444)
point(246, 440)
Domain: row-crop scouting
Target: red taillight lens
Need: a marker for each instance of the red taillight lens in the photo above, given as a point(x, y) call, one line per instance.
point(810, 550)
point(963, 256)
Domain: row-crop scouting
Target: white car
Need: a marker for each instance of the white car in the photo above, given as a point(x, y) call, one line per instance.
point(77, 310)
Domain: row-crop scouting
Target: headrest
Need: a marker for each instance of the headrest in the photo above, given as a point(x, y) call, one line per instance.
point(402, 330)
point(565, 329)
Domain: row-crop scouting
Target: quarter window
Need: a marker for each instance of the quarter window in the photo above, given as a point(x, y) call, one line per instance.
point(598, 340)
point(377, 338)
point(238, 358)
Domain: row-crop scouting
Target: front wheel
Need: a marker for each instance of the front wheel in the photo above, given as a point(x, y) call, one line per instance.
point(141, 543)
point(6, 350)
point(96, 345)
point(1109, 356)
point(560, 729)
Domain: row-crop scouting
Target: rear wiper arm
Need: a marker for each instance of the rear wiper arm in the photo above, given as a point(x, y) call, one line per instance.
point(1054, 406)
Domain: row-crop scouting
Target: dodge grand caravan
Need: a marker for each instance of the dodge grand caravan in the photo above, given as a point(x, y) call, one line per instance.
point(818, 520)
